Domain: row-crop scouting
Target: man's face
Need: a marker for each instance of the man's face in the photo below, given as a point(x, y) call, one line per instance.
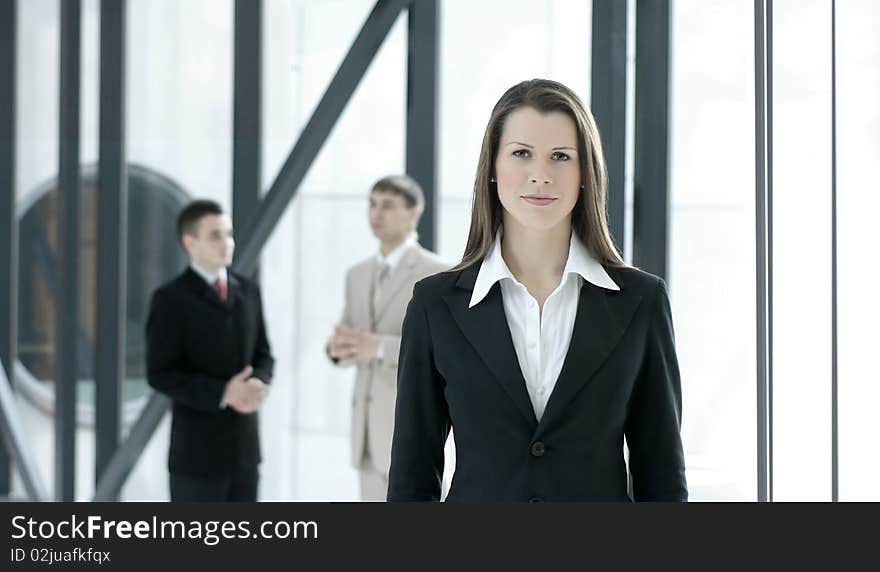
point(212, 246)
point(391, 219)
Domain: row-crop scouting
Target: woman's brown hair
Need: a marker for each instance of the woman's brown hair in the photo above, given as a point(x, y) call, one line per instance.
point(588, 218)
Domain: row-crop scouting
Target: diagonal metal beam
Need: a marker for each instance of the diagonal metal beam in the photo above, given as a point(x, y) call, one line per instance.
point(283, 189)
point(14, 439)
point(127, 455)
point(315, 133)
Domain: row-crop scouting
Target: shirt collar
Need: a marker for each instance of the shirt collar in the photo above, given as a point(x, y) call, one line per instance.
point(394, 257)
point(209, 277)
point(580, 262)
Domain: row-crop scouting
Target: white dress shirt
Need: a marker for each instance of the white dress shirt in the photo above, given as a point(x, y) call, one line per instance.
point(393, 258)
point(541, 341)
point(209, 277)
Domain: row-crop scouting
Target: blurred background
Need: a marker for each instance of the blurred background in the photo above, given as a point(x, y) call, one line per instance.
point(767, 253)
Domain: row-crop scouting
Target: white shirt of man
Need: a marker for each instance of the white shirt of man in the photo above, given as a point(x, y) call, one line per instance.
point(541, 342)
point(209, 277)
point(393, 258)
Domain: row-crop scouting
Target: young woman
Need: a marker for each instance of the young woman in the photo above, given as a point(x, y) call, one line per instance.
point(542, 348)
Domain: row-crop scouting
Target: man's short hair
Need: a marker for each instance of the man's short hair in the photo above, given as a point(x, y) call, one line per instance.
point(189, 217)
point(402, 185)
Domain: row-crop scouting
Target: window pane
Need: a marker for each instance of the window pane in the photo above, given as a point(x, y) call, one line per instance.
point(858, 202)
point(802, 250)
point(712, 243)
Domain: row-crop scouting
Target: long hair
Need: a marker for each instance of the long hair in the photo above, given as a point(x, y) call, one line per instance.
point(588, 218)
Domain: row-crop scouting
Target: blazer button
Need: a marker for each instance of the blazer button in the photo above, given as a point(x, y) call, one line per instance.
point(537, 449)
point(536, 499)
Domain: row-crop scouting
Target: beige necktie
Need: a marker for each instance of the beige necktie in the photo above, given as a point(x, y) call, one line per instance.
point(381, 279)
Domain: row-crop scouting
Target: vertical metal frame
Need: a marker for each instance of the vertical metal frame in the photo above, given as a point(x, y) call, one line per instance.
point(315, 133)
point(67, 293)
point(608, 103)
point(268, 212)
point(13, 434)
point(764, 243)
point(112, 235)
point(8, 217)
point(421, 110)
point(835, 484)
point(651, 168)
point(247, 141)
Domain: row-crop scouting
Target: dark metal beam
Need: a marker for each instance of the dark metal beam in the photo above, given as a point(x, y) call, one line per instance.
point(112, 235)
point(15, 440)
point(608, 103)
point(8, 217)
point(835, 484)
point(247, 115)
point(127, 455)
point(67, 295)
point(421, 111)
point(315, 133)
point(764, 243)
point(651, 169)
point(350, 72)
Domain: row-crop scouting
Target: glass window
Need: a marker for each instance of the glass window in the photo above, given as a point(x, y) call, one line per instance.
point(801, 250)
point(153, 257)
point(858, 202)
point(712, 243)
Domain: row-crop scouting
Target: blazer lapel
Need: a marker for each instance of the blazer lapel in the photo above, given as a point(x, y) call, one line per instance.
point(602, 318)
point(480, 326)
point(235, 297)
point(362, 295)
point(394, 282)
point(234, 294)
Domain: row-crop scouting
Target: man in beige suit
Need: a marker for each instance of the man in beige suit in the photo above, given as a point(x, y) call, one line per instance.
point(377, 291)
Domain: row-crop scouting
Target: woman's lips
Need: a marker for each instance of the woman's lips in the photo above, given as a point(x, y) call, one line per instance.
point(537, 200)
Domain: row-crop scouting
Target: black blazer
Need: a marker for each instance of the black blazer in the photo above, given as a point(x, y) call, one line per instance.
point(458, 368)
point(195, 344)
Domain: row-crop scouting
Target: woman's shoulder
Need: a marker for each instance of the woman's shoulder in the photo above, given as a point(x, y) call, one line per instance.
point(437, 284)
point(633, 280)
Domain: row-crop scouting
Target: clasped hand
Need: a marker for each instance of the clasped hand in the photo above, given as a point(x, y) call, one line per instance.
point(352, 345)
point(244, 393)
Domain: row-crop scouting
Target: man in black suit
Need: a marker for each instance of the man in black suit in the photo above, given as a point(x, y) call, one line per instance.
point(207, 350)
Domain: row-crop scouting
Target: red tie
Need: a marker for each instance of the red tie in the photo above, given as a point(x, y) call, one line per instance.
point(220, 285)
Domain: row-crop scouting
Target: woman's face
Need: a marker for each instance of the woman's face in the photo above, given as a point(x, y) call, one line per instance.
point(537, 168)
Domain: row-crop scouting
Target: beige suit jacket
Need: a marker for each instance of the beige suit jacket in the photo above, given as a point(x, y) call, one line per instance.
point(375, 390)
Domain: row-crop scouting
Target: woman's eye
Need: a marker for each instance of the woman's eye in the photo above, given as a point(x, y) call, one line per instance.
point(558, 156)
point(521, 153)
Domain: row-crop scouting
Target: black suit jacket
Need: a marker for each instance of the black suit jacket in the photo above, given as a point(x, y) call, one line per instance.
point(458, 367)
point(195, 344)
